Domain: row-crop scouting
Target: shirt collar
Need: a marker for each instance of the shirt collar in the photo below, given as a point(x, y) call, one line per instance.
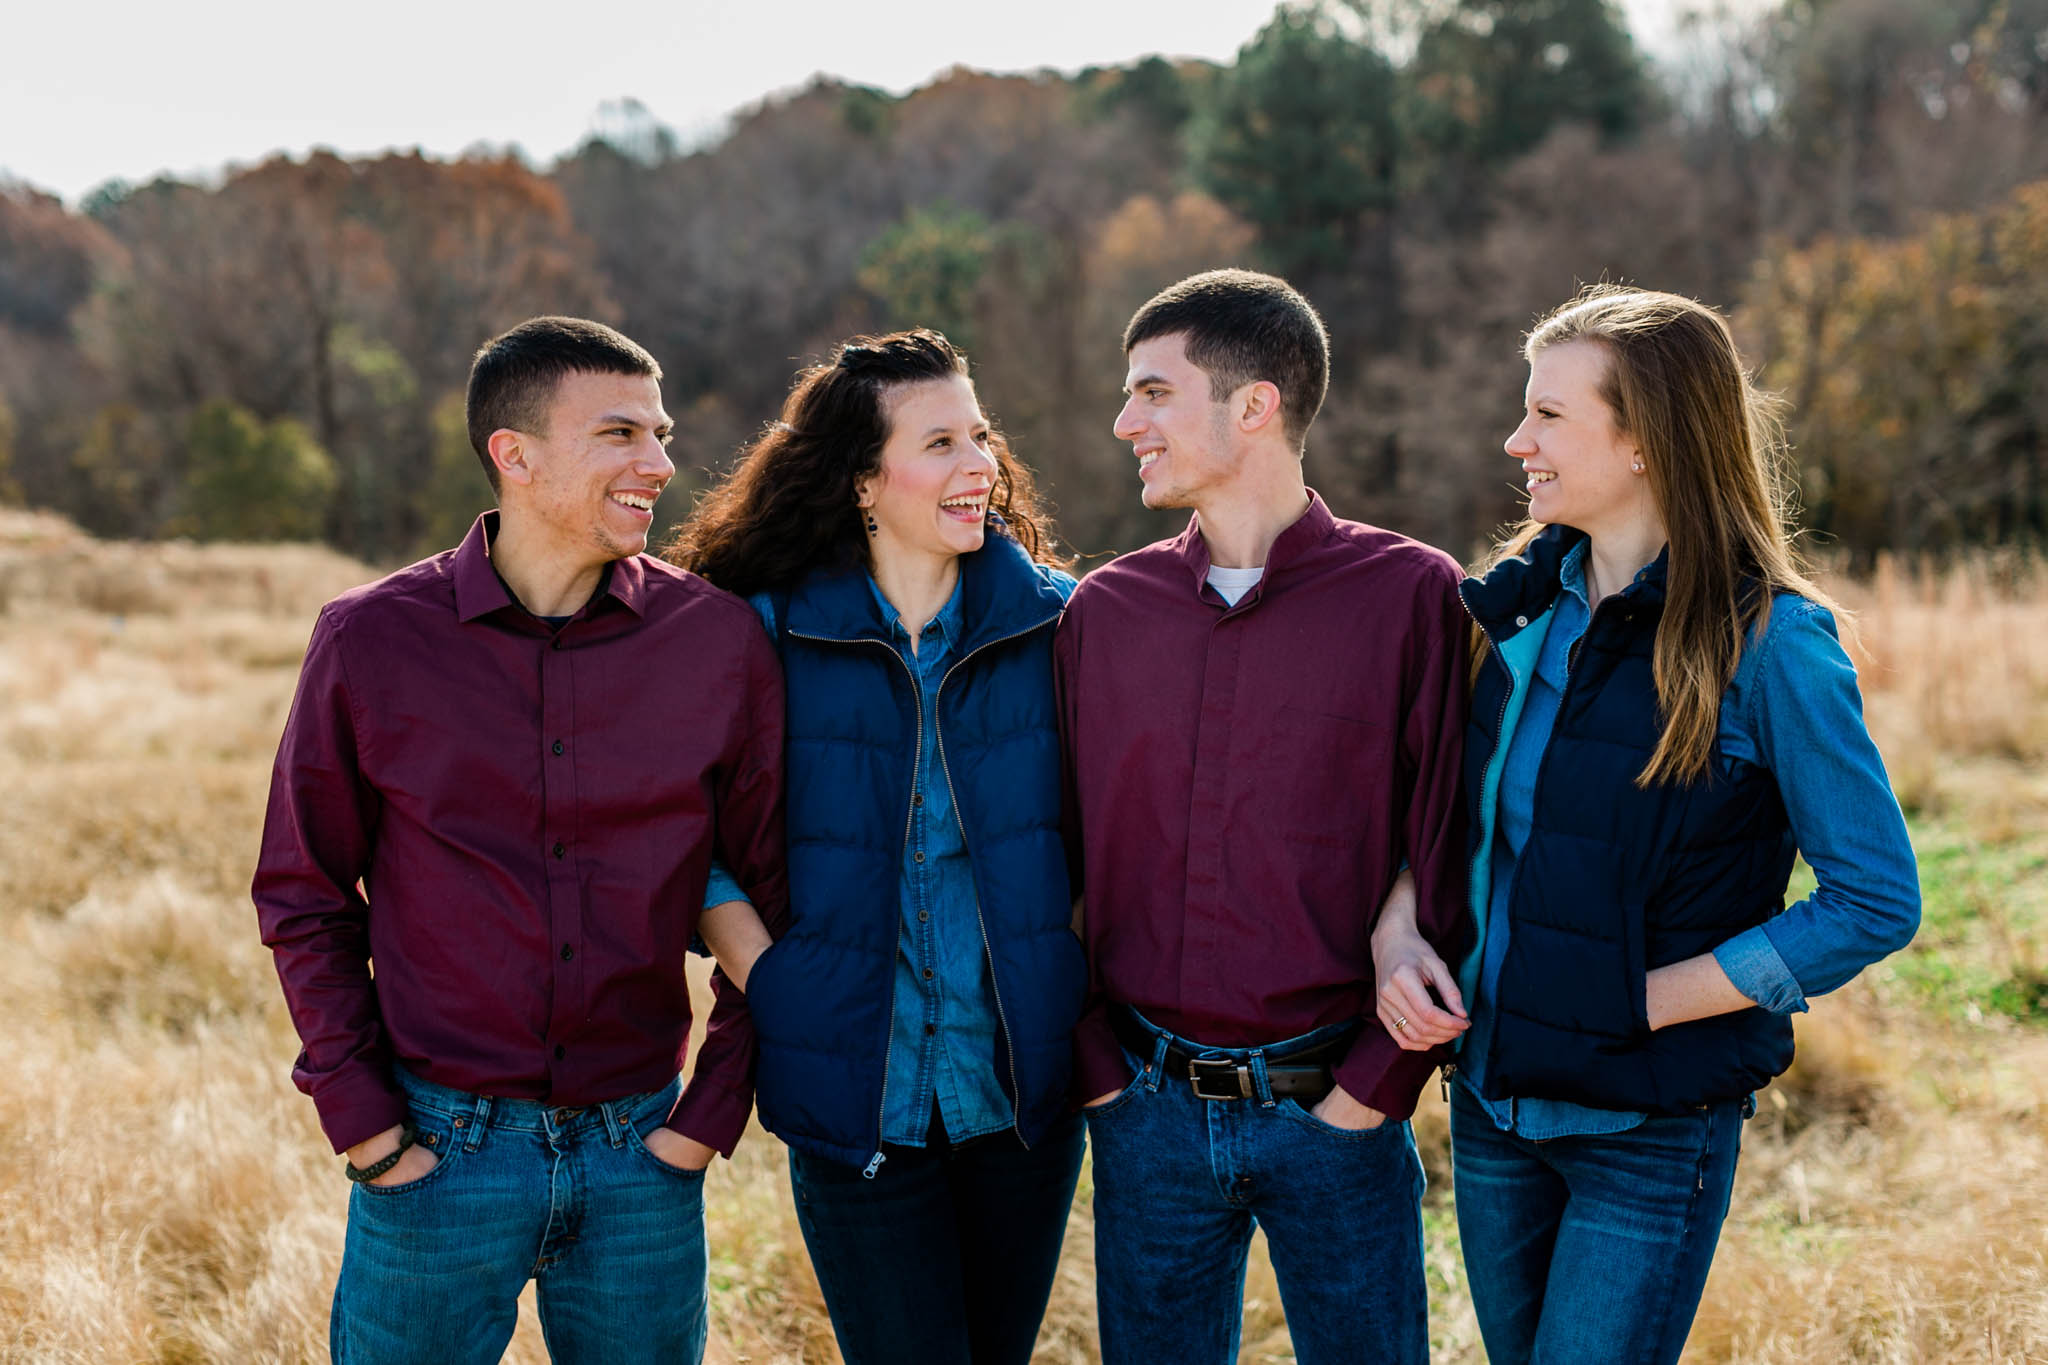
point(479, 590)
point(947, 622)
point(1571, 572)
point(1303, 534)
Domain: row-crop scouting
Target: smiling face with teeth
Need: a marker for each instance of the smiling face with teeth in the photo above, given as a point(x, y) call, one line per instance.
point(586, 485)
point(930, 496)
point(1579, 466)
point(1178, 428)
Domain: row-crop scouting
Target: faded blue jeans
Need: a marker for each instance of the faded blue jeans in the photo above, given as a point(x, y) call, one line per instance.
point(1591, 1248)
point(1181, 1181)
point(569, 1198)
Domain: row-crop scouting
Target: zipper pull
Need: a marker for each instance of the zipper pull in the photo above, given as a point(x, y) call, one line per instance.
point(1443, 1078)
point(873, 1166)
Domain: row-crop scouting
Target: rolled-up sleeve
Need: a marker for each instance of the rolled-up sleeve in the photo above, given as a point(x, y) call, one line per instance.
point(1804, 714)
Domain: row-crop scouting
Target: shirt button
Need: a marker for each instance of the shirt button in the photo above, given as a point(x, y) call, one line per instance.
point(567, 952)
point(923, 915)
point(560, 1052)
point(1521, 621)
point(928, 1032)
point(558, 746)
point(917, 798)
point(560, 849)
point(918, 856)
point(927, 973)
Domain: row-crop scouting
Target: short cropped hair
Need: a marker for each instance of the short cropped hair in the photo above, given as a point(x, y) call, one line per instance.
point(513, 379)
point(1241, 327)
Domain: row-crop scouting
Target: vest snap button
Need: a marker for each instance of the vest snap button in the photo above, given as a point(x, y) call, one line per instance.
point(1521, 621)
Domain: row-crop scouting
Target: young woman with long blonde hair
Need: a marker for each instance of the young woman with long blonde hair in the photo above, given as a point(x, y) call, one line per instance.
point(1663, 715)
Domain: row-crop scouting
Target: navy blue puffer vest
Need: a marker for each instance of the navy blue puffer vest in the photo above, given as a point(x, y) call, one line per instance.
point(1616, 880)
point(821, 995)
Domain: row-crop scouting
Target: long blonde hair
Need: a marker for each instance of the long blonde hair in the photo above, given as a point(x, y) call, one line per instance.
point(1713, 449)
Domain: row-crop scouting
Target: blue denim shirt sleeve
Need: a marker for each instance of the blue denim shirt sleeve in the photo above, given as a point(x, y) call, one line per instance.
point(1794, 708)
point(719, 887)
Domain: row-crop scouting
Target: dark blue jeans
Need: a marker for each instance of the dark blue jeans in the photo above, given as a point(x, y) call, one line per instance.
point(1180, 1182)
point(945, 1257)
point(569, 1198)
point(1591, 1248)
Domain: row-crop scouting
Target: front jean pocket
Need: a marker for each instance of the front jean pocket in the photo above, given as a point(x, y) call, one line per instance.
point(437, 1133)
point(1140, 1074)
point(639, 1145)
point(1295, 1110)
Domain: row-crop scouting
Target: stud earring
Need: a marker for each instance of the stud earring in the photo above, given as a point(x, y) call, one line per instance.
point(1637, 466)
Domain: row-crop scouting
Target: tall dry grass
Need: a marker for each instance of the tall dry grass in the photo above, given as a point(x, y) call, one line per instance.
point(165, 1194)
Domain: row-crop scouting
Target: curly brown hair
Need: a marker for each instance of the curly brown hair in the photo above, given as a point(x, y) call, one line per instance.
point(789, 504)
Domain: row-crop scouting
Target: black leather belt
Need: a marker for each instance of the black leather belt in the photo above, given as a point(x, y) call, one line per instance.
point(1302, 1076)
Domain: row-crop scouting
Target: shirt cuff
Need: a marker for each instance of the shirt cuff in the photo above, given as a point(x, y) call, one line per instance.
point(712, 1115)
point(719, 887)
point(1099, 1065)
point(1381, 1074)
point(358, 1109)
point(1752, 962)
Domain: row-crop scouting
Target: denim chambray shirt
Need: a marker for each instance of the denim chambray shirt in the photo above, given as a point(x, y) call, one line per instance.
point(1792, 707)
point(942, 1045)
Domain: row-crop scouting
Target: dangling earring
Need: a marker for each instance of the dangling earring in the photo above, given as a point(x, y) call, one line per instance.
point(868, 513)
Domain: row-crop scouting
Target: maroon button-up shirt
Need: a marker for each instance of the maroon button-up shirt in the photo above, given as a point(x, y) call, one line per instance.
point(1247, 781)
point(513, 824)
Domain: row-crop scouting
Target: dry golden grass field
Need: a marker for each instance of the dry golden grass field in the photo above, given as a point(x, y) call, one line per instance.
point(165, 1194)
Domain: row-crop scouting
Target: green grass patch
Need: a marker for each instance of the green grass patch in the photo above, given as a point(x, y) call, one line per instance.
point(1984, 907)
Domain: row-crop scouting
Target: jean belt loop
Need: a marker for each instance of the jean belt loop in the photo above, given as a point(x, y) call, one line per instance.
point(615, 1121)
point(477, 1123)
point(1262, 1087)
point(1157, 1071)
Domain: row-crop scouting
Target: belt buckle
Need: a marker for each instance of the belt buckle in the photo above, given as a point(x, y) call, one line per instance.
point(1220, 1069)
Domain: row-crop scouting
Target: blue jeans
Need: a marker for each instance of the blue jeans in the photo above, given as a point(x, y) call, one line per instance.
point(569, 1198)
point(1591, 1248)
point(947, 1255)
point(1179, 1183)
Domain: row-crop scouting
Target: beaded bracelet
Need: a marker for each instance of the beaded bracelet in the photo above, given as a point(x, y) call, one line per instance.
point(407, 1135)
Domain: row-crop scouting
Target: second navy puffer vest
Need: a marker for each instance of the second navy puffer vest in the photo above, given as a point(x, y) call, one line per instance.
point(1616, 880)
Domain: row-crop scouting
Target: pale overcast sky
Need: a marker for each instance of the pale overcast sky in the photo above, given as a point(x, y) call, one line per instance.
point(91, 90)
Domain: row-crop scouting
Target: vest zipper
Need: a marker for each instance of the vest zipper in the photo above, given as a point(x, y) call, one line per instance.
point(988, 949)
point(1472, 871)
point(1542, 763)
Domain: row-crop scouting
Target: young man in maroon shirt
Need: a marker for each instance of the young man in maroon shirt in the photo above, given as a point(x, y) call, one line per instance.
point(1263, 719)
point(504, 775)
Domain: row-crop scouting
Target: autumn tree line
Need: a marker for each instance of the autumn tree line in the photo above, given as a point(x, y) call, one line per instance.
point(1863, 184)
